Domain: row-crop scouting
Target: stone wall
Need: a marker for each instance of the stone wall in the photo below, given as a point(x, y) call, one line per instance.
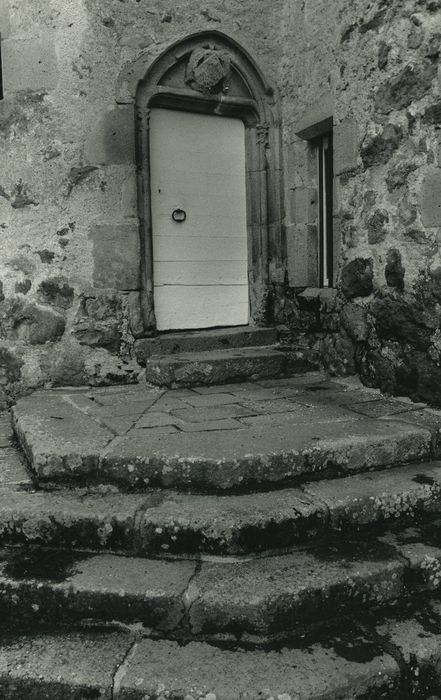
point(374, 67)
point(70, 253)
point(70, 262)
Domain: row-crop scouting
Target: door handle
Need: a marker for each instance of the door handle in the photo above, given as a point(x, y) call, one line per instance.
point(179, 215)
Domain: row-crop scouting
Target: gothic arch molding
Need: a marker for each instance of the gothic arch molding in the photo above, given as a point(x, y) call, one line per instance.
point(211, 73)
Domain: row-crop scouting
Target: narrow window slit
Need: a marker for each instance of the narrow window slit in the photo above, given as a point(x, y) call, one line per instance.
point(326, 235)
point(1, 69)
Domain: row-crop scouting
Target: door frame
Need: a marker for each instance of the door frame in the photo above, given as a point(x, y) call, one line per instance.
point(164, 86)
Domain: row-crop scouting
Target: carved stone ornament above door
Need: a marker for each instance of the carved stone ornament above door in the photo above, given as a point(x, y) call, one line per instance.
point(208, 70)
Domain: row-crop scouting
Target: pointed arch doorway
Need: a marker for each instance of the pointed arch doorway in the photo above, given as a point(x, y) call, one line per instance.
point(208, 186)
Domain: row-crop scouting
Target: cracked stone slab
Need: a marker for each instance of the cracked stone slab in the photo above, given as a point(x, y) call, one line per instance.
point(50, 586)
point(420, 546)
point(259, 598)
point(196, 670)
point(274, 594)
point(60, 664)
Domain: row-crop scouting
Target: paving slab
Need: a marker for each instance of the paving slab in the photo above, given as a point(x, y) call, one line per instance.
point(299, 414)
point(60, 664)
point(320, 672)
point(57, 436)
point(381, 407)
point(427, 418)
point(248, 437)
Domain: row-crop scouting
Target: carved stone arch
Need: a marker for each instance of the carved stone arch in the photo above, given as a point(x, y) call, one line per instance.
point(211, 73)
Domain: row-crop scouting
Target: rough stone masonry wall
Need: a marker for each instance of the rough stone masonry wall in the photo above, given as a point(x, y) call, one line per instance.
point(375, 67)
point(70, 258)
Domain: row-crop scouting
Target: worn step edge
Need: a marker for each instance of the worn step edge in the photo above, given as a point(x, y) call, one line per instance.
point(258, 599)
point(202, 341)
point(369, 444)
point(224, 366)
point(175, 523)
point(398, 658)
point(76, 664)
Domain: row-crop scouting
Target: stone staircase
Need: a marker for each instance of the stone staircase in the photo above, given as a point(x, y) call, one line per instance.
point(218, 356)
point(279, 538)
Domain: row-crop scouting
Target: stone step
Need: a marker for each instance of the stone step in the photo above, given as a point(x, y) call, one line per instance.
point(204, 368)
point(255, 600)
point(220, 439)
point(396, 658)
point(203, 341)
point(169, 522)
point(79, 664)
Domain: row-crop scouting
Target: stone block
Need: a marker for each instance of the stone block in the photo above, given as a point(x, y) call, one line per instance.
point(357, 278)
point(116, 256)
point(302, 245)
point(113, 138)
point(316, 119)
point(5, 23)
point(300, 202)
point(431, 198)
point(30, 64)
point(346, 148)
point(410, 85)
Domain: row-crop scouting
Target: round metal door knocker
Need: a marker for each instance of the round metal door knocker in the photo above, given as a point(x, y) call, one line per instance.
point(179, 215)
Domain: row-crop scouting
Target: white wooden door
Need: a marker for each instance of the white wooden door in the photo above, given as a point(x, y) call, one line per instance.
point(200, 269)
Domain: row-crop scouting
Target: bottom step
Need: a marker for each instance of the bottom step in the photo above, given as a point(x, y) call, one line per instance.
point(397, 659)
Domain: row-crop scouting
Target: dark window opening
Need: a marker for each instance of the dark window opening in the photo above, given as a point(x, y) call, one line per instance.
point(326, 197)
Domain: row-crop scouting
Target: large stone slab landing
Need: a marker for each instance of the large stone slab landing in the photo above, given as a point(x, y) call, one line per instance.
point(219, 438)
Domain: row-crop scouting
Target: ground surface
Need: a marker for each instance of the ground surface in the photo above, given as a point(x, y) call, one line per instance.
point(222, 437)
